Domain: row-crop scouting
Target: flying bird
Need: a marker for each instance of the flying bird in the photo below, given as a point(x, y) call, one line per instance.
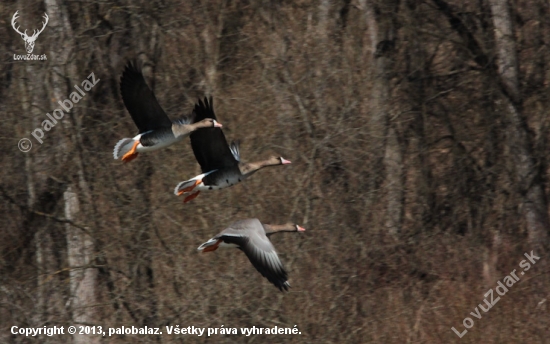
point(220, 163)
point(252, 237)
point(156, 130)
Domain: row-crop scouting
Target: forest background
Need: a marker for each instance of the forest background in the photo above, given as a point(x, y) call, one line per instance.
point(418, 133)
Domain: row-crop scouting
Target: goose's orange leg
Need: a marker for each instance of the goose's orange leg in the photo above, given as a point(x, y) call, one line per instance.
point(131, 155)
point(191, 197)
point(189, 188)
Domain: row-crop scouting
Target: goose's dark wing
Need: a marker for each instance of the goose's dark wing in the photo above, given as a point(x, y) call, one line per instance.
point(209, 144)
point(141, 101)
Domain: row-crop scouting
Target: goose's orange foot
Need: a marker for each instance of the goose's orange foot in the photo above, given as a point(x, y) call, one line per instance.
point(131, 155)
point(191, 197)
point(212, 247)
point(189, 188)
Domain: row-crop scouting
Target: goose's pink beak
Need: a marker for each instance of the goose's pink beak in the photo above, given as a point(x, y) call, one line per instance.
point(301, 229)
point(217, 124)
point(284, 161)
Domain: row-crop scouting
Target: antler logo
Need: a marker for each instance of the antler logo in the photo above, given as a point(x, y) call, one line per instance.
point(29, 40)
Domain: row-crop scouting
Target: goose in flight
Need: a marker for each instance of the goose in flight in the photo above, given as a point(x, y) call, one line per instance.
point(156, 130)
point(252, 237)
point(220, 163)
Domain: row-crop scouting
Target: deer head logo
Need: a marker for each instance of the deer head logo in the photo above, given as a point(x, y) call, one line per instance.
point(29, 40)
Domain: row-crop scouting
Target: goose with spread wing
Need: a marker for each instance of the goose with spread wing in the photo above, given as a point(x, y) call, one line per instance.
point(156, 130)
point(220, 163)
point(252, 237)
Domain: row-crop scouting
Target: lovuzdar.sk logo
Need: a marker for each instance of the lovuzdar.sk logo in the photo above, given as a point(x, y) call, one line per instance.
point(29, 40)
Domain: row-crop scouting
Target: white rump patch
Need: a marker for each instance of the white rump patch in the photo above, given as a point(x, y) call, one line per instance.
point(122, 147)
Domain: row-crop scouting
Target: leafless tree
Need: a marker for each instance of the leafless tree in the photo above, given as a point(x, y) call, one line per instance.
point(418, 135)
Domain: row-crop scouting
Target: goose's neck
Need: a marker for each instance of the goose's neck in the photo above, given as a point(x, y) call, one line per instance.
point(197, 125)
point(251, 167)
point(179, 129)
point(271, 229)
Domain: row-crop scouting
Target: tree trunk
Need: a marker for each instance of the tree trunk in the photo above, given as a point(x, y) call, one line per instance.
point(393, 164)
point(528, 175)
point(83, 279)
point(80, 245)
point(385, 153)
point(211, 35)
point(49, 296)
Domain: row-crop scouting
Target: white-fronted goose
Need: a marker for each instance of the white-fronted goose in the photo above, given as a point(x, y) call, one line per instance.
point(221, 164)
point(156, 130)
point(251, 237)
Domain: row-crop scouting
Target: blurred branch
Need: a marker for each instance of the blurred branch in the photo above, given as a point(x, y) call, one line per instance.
point(471, 43)
point(39, 213)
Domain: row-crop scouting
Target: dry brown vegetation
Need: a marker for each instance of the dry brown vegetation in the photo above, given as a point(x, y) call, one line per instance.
point(418, 133)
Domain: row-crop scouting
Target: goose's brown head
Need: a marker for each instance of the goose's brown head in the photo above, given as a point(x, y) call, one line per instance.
point(274, 160)
point(208, 123)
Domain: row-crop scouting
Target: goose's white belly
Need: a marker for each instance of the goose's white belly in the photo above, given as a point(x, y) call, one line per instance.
point(225, 245)
point(223, 183)
point(165, 143)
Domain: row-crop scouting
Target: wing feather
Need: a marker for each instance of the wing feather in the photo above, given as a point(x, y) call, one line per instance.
point(249, 236)
point(140, 101)
point(235, 150)
point(209, 144)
